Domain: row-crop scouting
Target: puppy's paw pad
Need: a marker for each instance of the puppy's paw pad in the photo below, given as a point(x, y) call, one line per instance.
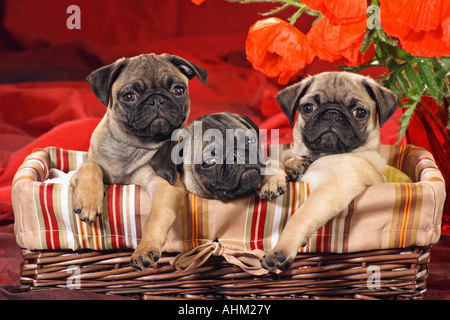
point(296, 167)
point(88, 206)
point(276, 260)
point(282, 189)
point(143, 261)
point(284, 263)
point(280, 257)
point(268, 262)
point(272, 187)
point(88, 213)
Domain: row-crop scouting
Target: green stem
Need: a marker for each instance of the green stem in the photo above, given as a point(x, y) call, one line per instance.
point(296, 15)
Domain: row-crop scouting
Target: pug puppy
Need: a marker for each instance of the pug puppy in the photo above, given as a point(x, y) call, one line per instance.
point(221, 159)
point(336, 150)
point(147, 99)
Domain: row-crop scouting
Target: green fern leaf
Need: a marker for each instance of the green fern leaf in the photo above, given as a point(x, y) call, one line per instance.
point(406, 117)
point(428, 77)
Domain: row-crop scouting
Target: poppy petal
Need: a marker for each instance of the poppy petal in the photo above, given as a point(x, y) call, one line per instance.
point(446, 31)
point(423, 27)
point(340, 11)
point(333, 42)
point(419, 15)
point(277, 48)
point(434, 40)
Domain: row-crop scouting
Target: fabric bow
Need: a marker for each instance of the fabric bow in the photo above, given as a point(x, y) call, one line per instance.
point(248, 261)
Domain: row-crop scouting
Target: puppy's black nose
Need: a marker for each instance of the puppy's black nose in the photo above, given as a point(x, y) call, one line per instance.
point(236, 156)
point(333, 116)
point(156, 102)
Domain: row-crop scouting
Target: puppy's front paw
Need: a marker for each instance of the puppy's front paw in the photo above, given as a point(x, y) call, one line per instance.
point(274, 181)
point(296, 167)
point(144, 258)
point(89, 192)
point(88, 201)
point(276, 259)
point(272, 186)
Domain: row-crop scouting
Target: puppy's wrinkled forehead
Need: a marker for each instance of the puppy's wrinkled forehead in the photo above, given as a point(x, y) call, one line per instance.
point(225, 123)
point(152, 69)
point(337, 87)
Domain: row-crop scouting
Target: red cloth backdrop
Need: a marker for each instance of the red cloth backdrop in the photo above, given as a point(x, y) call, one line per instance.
point(45, 100)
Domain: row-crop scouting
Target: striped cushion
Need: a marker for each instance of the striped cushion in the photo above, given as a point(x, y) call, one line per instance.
point(389, 215)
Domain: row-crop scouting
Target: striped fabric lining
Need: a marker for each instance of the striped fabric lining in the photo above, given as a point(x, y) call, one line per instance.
point(405, 222)
point(196, 222)
point(409, 214)
point(60, 228)
point(266, 220)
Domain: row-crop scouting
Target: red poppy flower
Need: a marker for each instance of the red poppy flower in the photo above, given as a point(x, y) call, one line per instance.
point(277, 48)
point(198, 2)
point(340, 11)
point(422, 26)
point(340, 43)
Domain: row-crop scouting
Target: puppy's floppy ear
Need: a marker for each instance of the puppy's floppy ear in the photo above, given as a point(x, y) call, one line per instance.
point(189, 69)
point(101, 80)
point(248, 122)
point(386, 101)
point(288, 98)
point(251, 125)
point(162, 162)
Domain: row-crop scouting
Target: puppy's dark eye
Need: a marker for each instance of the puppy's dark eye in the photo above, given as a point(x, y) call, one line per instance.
point(208, 163)
point(308, 108)
point(129, 97)
point(178, 90)
point(359, 113)
point(251, 140)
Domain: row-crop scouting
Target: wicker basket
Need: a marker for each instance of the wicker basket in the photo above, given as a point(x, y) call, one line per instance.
point(373, 249)
point(376, 274)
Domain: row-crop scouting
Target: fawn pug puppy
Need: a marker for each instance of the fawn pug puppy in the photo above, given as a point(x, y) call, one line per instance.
point(224, 161)
point(336, 150)
point(147, 99)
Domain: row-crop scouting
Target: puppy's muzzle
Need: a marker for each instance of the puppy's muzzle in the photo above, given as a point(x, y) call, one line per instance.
point(330, 119)
point(235, 157)
point(333, 116)
point(248, 176)
point(155, 118)
point(156, 102)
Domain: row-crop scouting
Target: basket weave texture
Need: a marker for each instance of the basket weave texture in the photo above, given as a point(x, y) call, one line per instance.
point(375, 274)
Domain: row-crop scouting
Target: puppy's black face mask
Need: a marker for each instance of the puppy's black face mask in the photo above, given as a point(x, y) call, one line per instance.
point(235, 176)
point(230, 170)
point(334, 127)
point(335, 110)
point(153, 112)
